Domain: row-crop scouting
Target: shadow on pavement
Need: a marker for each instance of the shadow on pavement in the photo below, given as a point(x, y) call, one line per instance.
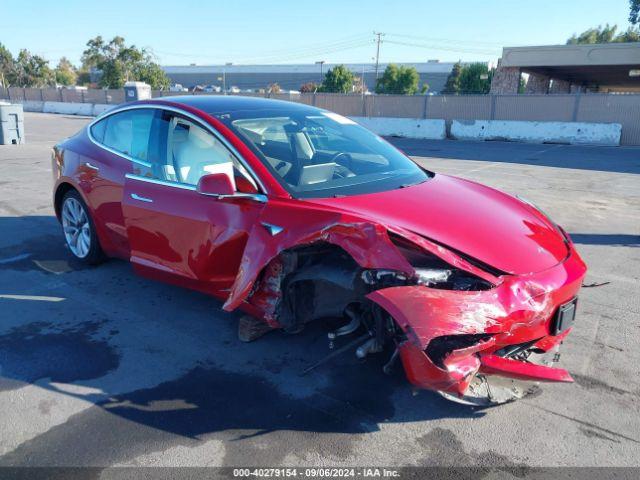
point(612, 239)
point(604, 159)
point(209, 399)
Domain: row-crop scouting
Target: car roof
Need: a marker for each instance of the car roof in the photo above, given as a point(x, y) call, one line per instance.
point(231, 103)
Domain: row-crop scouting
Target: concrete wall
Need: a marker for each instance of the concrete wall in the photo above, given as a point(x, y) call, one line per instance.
point(538, 132)
point(87, 109)
point(405, 127)
point(472, 123)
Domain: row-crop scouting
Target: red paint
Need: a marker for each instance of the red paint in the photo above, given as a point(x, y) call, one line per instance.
point(508, 367)
point(215, 184)
point(467, 217)
point(519, 310)
point(221, 246)
point(186, 234)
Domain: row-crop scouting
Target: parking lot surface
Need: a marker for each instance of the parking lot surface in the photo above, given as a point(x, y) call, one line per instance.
point(99, 367)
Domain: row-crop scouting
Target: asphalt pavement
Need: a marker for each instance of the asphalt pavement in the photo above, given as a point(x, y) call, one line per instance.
point(99, 367)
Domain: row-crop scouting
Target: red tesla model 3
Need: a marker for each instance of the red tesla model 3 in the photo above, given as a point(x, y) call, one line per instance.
point(293, 214)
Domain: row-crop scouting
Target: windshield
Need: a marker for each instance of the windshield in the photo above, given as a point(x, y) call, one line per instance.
point(321, 154)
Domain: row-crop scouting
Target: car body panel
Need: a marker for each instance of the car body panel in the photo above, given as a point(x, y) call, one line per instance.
point(467, 217)
point(368, 244)
point(184, 233)
point(519, 310)
point(233, 248)
point(99, 177)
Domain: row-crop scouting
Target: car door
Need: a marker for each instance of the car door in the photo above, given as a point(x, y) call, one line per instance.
point(120, 147)
point(176, 233)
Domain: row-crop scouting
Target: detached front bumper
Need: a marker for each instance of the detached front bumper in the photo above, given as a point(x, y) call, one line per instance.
point(520, 310)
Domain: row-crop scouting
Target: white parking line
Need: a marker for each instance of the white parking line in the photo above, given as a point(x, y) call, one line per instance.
point(35, 298)
point(17, 258)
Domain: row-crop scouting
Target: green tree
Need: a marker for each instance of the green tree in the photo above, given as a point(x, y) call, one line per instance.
point(84, 77)
point(65, 72)
point(337, 80)
point(475, 78)
point(399, 80)
point(634, 14)
point(598, 34)
point(119, 63)
point(274, 88)
point(151, 73)
point(606, 34)
point(32, 70)
point(453, 80)
point(630, 35)
point(308, 87)
point(6, 66)
point(522, 85)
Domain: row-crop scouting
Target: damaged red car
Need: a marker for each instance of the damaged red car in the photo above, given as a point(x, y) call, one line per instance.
point(294, 214)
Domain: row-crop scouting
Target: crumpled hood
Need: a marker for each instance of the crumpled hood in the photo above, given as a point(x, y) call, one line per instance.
point(484, 223)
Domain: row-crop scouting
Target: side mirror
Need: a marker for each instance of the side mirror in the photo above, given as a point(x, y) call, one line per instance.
point(215, 184)
point(245, 186)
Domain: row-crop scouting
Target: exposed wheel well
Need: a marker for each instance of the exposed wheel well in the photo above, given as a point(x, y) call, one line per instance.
point(307, 282)
point(62, 190)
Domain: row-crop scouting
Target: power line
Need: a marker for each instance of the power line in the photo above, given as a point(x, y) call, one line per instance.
point(448, 40)
point(346, 43)
point(445, 48)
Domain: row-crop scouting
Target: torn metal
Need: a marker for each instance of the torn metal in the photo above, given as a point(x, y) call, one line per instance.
point(454, 321)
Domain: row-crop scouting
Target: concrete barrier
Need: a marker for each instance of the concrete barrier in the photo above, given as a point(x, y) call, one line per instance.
point(431, 129)
point(99, 108)
point(31, 105)
point(575, 133)
point(66, 108)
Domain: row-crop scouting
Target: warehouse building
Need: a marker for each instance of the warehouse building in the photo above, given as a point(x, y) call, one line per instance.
point(291, 77)
point(607, 68)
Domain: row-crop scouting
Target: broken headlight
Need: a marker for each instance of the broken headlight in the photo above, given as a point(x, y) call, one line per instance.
point(433, 272)
point(432, 276)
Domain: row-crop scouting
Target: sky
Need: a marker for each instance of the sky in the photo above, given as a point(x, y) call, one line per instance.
point(182, 32)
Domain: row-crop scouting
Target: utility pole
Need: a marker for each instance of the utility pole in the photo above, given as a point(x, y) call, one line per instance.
point(224, 77)
point(321, 63)
point(378, 42)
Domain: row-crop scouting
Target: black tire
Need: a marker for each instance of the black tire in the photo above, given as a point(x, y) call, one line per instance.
point(94, 254)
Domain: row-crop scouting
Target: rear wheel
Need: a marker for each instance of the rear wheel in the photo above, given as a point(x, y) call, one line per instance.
point(79, 229)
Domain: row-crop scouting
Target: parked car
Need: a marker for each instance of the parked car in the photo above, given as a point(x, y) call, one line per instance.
point(295, 214)
point(212, 89)
point(177, 87)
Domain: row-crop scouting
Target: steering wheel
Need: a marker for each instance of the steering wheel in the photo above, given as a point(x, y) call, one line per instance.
point(346, 165)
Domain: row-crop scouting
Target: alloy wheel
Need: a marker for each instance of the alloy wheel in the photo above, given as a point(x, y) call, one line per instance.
point(76, 226)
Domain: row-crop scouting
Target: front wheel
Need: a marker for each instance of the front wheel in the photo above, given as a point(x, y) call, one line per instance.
point(79, 229)
point(490, 390)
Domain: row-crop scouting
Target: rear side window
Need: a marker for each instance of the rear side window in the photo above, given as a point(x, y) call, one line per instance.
point(97, 130)
point(126, 132)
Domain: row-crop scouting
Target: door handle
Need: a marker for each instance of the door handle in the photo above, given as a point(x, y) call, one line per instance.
point(142, 199)
point(92, 167)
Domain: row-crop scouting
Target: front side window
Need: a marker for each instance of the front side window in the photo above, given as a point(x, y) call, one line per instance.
point(322, 154)
point(190, 151)
point(193, 152)
point(126, 132)
point(173, 147)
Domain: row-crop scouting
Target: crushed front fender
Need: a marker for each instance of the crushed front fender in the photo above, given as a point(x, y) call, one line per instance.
point(518, 310)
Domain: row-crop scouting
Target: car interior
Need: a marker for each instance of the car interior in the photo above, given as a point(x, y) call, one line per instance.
point(305, 155)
